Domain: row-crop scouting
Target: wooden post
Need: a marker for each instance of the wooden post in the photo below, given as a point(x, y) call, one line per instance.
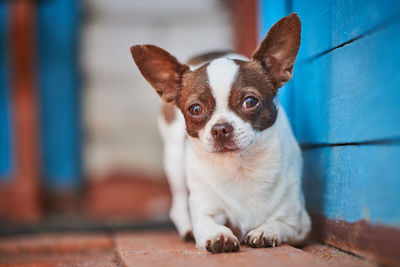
point(20, 200)
point(245, 26)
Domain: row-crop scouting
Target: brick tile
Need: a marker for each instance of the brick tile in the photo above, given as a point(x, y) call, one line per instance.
point(166, 249)
point(55, 242)
point(98, 259)
point(163, 248)
point(56, 249)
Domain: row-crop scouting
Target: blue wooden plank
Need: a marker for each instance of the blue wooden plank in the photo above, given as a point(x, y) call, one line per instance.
point(355, 17)
point(312, 88)
point(351, 94)
point(348, 95)
point(316, 24)
point(59, 92)
point(327, 24)
point(5, 114)
point(354, 183)
point(367, 91)
point(269, 12)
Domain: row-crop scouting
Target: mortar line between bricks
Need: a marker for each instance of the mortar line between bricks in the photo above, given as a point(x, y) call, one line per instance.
point(118, 256)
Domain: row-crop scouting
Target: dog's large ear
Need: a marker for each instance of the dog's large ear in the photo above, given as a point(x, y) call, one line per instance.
point(277, 52)
point(162, 70)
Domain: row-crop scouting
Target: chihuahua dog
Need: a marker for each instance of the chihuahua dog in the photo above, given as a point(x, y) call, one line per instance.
point(233, 164)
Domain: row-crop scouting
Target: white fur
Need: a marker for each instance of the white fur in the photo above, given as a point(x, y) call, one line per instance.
point(236, 56)
point(256, 189)
point(252, 189)
point(221, 75)
point(174, 137)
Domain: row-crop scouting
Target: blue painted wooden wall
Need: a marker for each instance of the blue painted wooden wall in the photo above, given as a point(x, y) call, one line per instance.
point(344, 105)
point(58, 91)
point(58, 77)
point(5, 114)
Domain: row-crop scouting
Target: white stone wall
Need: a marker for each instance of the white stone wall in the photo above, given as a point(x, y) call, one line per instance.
point(119, 107)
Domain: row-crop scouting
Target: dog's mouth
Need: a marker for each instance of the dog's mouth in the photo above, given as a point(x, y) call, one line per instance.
point(225, 147)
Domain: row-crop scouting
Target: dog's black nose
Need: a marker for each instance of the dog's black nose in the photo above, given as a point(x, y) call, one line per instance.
point(222, 131)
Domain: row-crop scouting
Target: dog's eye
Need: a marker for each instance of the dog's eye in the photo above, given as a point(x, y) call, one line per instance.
point(250, 102)
point(195, 110)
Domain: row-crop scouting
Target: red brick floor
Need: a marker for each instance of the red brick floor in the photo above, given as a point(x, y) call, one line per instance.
point(155, 248)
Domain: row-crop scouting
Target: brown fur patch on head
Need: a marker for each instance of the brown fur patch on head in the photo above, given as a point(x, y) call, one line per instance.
point(270, 67)
point(196, 90)
point(168, 112)
point(252, 80)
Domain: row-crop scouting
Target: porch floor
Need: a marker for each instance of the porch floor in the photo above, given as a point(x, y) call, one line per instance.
point(154, 248)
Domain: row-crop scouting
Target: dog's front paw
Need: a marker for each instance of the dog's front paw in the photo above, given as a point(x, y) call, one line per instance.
point(222, 243)
point(261, 239)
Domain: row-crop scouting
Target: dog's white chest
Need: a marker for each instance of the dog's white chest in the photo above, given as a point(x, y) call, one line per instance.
point(241, 189)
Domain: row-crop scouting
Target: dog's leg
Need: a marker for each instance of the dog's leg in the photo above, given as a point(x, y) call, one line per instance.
point(213, 236)
point(274, 233)
point(174, 168)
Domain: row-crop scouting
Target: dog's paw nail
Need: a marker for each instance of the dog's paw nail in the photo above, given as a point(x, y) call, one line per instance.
point(222, 243)
point(236, 247)
point(262, 239)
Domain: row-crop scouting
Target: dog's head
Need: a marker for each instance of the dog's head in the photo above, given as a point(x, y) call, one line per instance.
point(226, 102)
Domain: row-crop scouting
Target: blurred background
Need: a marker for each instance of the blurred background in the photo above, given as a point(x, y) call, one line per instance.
point(79, 135)
point(79, 144)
